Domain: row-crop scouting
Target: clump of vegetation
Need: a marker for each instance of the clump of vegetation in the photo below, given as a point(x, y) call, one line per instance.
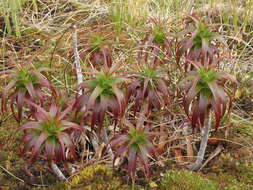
point(144, 87)
point(101, 93)
point(50, 131)
point(26, 83)
point(11, 10)
point(147, 87)
point(156, 45)
point(135, 144)
point(97, 177)
point(240, 170)
point(97, 46)
point(227, 181)
point(206, 85)
point(186, 180)
point(197, 46)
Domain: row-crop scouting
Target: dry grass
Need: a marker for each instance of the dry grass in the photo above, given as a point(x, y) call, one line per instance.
point(45, 32)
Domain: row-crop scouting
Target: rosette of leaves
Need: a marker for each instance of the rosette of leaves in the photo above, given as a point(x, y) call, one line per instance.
point(50, 134)
point(148, 87)
point(96, 47)
point(25, 83)
point(197, 44)
point(135, 144)
point(101, 93)
point(206, 89)
point(156, 46)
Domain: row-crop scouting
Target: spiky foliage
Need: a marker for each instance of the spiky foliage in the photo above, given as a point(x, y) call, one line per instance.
point(197, 46)
point(206, 89)
point(97, 46)
point(50, 134)
point(156, 46)
point(26, 83)
point(135, 143)
point(148, 87)
point(101, 94)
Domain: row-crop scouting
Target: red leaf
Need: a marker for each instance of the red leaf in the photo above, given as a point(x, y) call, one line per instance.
point(65, 138)
point(59, 153)
point(191, 95)
point(69, 125)
point(53, 111)
point(217, 111)
point(120, 152)
point(96, 92)
point(162, 87)
point(118, 139)
point(203, 103)
point(50, 148)
point(31, 125)
point(154, 99)
point(38, 145)
point(30, 90)
point(39, 109)
point(132, 159)
point(66, 111)
point(144, 160)
point(20, 103)
point(5, 94)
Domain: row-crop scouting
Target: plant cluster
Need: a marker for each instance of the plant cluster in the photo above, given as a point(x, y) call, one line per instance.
point(131, 102)
point(173, 180)
point(96, 177)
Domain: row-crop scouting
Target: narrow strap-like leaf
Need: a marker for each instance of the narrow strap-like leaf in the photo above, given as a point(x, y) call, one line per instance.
point(39, 109)
point(191, 94)
point(118, 139)
point(203, 103)
point(67, 140)
point(132, 160)
point(144, 160)
point(69, 125)
point(31, 125)
point(5, 94)
point(66, 111)
point(53, 111)
point(31, 90)
point(96, 92)
point(38, 144)
point(50, 150)
point(20, 103)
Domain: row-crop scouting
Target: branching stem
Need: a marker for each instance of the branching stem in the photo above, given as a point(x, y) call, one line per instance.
point(204, 139)
point(77, 59)
point(57, 171)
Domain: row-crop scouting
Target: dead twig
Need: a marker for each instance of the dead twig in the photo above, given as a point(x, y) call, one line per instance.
point(19, 179)
point(78, 67)
point(217, 151)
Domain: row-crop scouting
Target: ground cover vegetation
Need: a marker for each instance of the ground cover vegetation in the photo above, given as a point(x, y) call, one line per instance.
point(124, 94)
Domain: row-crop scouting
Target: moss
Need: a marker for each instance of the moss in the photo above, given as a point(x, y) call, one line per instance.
point(235, 171)
point(229, 182)
point(97, 177)
point(57, 186)
point(186, 180)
